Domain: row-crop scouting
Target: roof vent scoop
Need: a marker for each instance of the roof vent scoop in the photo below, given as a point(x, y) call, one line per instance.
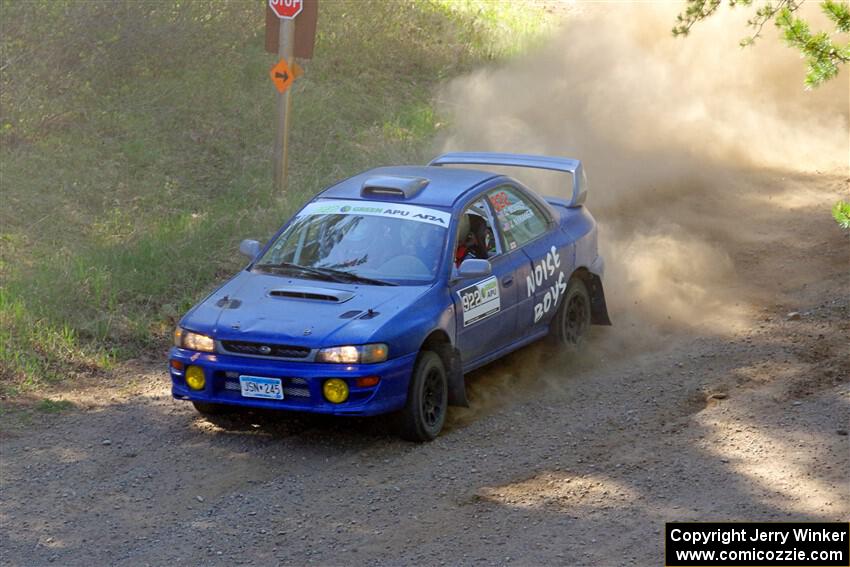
point(393, 186)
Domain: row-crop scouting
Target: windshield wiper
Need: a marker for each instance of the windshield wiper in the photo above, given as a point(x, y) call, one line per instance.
point(290, 267)
point(322, 273)
point(351, 276)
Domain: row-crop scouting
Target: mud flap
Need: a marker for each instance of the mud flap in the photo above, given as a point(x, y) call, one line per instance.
point(598, 309)
point(454, 374)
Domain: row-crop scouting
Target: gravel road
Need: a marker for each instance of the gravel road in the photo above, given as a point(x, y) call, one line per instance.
point(569, 461)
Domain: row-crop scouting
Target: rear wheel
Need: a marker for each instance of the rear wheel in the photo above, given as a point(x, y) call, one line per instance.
point(211, 409)
point(572, 322)
point(427, 399)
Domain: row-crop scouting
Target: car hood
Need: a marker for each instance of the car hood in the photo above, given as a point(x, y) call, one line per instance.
point(269, 308)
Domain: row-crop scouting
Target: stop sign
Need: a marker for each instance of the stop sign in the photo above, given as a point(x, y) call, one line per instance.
point(286, 9)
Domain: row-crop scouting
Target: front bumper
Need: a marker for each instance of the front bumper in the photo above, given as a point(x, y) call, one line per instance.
point(302, 382)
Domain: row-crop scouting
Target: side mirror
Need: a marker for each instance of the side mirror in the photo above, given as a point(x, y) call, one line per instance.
point(474, 268)
point(249, 248)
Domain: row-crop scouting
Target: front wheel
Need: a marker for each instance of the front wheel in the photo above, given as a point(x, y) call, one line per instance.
point(572, 321)
point(427, 399)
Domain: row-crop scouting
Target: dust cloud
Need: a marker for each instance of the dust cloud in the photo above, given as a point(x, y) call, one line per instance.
point(677, 136)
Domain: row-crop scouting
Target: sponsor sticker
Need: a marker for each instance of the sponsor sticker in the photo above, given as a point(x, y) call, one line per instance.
point(517, 213)
point(500, 200)
point(379, 209)
point(480, 300)
point(543, 277)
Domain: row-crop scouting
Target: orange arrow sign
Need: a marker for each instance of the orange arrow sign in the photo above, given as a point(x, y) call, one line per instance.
point(282, 76)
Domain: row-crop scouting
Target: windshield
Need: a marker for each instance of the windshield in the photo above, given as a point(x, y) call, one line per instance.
point(379, 241)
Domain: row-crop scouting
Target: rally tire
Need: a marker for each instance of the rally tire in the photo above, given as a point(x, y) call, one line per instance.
point(424, 413)
point(206, 408)
point(572, 321)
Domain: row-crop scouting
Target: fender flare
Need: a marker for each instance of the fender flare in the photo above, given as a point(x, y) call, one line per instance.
point(438, 341)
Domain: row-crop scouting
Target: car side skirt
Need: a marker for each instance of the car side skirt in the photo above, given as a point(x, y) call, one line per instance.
point(484, 360)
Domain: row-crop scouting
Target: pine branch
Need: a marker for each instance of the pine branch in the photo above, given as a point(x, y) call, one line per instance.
point(823, 56)
point(838, 12)
point(695, 11)
point(764, 15)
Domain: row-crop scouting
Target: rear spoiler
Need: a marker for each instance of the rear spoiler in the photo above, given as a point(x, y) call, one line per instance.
point(572, 166)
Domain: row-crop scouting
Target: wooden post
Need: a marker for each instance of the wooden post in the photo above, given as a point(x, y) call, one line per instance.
point(285, 49)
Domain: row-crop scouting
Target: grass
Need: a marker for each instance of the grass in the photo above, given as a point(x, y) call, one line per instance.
point(135, 150)
point(53, 406)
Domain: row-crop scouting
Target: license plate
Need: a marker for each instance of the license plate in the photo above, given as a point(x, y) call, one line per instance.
point(258, 387)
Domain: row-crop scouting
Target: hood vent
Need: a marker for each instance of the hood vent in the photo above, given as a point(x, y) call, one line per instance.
point(313, 294)
point(350, 314)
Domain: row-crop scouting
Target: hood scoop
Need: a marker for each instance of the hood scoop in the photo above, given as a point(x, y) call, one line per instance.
point(312, 294)
point(393, 186)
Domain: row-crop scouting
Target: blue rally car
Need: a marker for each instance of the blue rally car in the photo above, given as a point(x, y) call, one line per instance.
point(381, 292)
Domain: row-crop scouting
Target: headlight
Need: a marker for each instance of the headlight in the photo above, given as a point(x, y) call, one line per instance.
point(193, 341)
point(363, 354)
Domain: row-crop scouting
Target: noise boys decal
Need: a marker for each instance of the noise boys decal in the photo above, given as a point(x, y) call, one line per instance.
point(544, 273)
point(480, 300)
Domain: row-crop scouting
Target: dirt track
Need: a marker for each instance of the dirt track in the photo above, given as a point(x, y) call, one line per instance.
point(573, 462)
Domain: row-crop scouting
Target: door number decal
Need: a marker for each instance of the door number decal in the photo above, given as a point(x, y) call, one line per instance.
point(480, 300)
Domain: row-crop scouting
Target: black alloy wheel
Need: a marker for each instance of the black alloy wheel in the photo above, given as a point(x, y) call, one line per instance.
point(424, 413)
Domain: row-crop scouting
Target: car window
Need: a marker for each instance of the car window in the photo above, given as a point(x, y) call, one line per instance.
point(475, 235)
point(519, 219)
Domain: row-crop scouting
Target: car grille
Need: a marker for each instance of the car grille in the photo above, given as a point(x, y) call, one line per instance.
point(265, 349)
point(292, 387)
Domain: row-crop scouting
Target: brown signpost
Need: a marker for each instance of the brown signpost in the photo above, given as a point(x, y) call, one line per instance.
point(287, 21)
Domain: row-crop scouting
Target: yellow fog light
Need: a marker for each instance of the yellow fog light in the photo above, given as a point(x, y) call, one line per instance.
point(335, 390)
point(195, 378)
